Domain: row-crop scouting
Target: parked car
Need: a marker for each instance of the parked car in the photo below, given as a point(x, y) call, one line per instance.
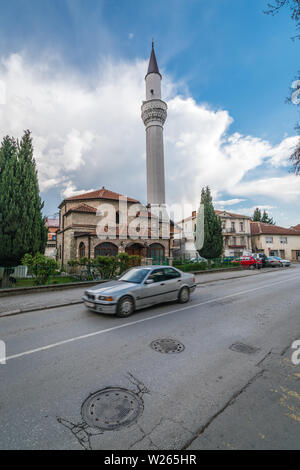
point(273, 262)
point(283, 262)
point(199, 259)
point(251, 262)
point(262, 257)
point(138, 288)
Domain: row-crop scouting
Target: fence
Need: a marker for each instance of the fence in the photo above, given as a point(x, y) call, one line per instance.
point(187, 264)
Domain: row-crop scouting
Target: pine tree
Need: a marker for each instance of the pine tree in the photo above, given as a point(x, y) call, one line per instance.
point(213, 238)
point(22, 226)
point(257, 215)
point(266, 219)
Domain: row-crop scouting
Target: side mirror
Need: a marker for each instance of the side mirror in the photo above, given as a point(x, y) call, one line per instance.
point(149, 281)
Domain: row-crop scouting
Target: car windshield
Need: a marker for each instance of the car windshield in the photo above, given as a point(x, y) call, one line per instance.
point(136, 275)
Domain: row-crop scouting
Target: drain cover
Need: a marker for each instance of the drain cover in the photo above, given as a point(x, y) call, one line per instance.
point(243, 348)
point(112, 408)
point(167, 346)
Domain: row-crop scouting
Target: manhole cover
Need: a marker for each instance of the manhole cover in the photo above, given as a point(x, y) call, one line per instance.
point(243, 348)
point(112, 408)
point(167, 345)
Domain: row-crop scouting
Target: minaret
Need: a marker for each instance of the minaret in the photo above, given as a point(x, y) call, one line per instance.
point(154, 114)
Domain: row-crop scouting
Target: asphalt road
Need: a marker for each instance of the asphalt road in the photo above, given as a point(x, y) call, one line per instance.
point(207, 396)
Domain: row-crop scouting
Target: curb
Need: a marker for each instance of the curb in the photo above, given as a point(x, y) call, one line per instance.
point(76, 302)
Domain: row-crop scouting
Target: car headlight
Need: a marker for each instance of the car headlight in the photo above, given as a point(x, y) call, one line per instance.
point(107, 299)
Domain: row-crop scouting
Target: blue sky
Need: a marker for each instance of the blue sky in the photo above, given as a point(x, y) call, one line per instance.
point(225, 55)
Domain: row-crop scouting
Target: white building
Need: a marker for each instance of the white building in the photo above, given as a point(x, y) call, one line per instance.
point(236, 235)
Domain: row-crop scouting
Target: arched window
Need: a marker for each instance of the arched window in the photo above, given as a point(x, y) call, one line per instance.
point(106, 249)
point(81, 250)
point(156, 251)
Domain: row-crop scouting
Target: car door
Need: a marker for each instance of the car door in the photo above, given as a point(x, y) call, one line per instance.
point(173, 281)
point(153, 293)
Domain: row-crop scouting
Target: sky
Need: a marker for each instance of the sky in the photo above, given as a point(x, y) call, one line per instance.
point(72, 71)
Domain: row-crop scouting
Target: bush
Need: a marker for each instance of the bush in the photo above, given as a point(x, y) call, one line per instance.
point(41, 267)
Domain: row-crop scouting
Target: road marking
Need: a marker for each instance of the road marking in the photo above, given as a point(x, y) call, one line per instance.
point(135, 322)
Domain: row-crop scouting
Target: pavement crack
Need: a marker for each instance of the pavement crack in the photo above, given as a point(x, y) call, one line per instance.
point(144, 434)
point(227, 404)
point(141, 388)
point(81, 431)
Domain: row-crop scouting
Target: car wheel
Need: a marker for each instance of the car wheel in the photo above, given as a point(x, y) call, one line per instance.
point(251, 266)
point(184, 295)
point(125, 307)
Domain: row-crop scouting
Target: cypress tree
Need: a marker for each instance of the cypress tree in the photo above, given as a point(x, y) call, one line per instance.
point(22, 226)
point(213, 237)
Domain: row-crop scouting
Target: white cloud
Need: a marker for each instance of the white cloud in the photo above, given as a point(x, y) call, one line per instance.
point(88, 133)
point(228, 202)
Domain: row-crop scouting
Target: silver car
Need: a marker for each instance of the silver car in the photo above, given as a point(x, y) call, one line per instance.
point(283, 262)
point(138, 288)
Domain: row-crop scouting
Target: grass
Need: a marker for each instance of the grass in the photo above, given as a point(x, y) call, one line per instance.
point(29, 282)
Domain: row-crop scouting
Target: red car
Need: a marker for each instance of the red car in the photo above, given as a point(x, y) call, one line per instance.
point(249, 261)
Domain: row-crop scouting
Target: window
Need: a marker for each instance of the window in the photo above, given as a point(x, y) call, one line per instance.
point(106, 249)
point(233, 226)
point(171, 273)
point(156, 251)
point(269, 239)
point(234, 240)
point(242, 226)
point(157, 275)
point(117, 217)
point(242, 240)
point(81, 250)
point(283, 240)
point(135, 275)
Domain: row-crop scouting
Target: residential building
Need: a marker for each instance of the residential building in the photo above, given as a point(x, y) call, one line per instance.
point(236, 235)
point(51, 247)
point(276, 241)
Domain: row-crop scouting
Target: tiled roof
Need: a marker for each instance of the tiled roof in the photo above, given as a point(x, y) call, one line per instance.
point(238, 216)
point(83, 208)
point(99, 194)
point(194, 215)
point(258, 228)
point(297, 227)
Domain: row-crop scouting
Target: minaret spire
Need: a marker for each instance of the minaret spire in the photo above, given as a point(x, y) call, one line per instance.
point(153, 67)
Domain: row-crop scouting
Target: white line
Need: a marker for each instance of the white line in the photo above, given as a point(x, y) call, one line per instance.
point(107, 330)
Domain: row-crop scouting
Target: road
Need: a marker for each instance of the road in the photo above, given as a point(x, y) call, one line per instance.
point(207, 396)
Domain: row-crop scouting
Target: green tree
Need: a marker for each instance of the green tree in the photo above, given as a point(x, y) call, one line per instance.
point(256, 215)
point(22, 226)
point(267, 219)
point(213, 237)
point(259, 217)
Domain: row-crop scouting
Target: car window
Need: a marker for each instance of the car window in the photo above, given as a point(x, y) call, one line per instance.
point(157, 275)
point(171, 273)
point(136, 275)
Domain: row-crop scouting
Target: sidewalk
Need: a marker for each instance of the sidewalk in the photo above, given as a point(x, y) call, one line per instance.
point(264, 415)
point(15, 304)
